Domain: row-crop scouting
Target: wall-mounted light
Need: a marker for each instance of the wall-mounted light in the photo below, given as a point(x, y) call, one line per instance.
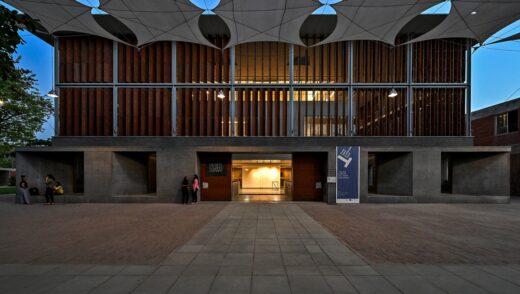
point(221, 95)
point(52, 94)
point(393, 93)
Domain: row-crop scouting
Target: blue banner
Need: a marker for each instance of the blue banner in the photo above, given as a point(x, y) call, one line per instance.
point(347, 174)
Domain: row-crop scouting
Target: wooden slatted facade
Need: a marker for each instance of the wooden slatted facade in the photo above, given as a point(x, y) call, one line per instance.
point(145, 83)
point(150, 64)
point(144, 112)
point(85, 112)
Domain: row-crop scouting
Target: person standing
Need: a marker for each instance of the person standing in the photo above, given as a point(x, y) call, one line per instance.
point(24, 187)
point(185, 191)
point(50, 185)
point(195, 189)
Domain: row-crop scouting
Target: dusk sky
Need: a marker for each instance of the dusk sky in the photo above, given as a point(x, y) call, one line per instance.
point(495, 75)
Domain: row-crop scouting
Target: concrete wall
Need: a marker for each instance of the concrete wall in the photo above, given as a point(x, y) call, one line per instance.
point(106, 167)
point(129, 173)
point(394, 173)
point(480, 174)
point(36, 165)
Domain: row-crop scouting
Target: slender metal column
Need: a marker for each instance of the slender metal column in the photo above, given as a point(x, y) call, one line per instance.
point(468, 88)
point(174, 90)
point(56, 74)
point(409, 111)
point(350, 88)
point(291, 90)
point(232, 91)
point(115, 98)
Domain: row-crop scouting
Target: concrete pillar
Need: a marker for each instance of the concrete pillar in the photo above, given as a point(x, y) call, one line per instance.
point(98, 175)
point(426, 173)
point(363, 175)
point(172, 166)
point(330, 197)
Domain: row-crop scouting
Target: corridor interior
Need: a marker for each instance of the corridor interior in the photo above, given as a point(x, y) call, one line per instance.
point(262, 177)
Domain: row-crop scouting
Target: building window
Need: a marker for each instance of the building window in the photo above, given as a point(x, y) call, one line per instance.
point(507, 122)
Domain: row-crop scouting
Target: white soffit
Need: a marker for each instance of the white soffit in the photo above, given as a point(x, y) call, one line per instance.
point(475, 19)
point(62, 16)
point(265, 20)
point(158, 20)
point(379, 20)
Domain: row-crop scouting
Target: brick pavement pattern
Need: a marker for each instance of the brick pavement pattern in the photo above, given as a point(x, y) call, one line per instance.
point(260, 248)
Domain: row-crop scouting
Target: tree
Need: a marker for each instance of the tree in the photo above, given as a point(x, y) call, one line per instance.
point(10, 22)
point(24, 111)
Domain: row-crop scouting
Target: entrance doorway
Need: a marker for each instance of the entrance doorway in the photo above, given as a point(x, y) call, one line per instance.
point(262, 177)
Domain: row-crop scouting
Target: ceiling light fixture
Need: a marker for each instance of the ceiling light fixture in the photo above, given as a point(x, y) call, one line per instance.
point(393, 93)
point(52, 94)
point(474, 13)
point(221, 94)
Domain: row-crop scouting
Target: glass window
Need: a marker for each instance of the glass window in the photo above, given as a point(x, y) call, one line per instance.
point(502, 123)
point(512, 121)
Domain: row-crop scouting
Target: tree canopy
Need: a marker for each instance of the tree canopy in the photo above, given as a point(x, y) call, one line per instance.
point(24, 110)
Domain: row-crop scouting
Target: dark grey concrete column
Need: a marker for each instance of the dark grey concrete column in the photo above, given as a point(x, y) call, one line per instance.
point(363, 175)
point(172, 166)
point(426, 173)
point(98, 175)
point(331, 172)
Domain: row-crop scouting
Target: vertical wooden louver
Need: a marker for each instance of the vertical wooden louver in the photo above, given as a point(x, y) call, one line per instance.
point(202, 64)
point(85, 112)
point(144, 112)
point(326, 63)
point(379, 115)
point(439, 61)
point(376, 62)
point(150, 64)
point(85, 60)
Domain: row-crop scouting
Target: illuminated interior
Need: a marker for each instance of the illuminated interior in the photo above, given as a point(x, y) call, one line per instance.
point(262, 178)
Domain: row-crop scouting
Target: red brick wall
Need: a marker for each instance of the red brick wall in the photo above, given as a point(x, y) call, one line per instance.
point(484, 133)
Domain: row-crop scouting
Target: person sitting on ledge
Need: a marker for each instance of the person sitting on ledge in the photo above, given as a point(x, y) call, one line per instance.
point(58, 190)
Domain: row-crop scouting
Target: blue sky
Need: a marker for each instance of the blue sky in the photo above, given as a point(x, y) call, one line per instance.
point(495, 74)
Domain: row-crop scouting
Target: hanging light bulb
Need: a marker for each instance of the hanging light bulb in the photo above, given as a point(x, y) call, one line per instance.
point(393, 93)
point(2, 103)
point(221, 94)
point(52, 94)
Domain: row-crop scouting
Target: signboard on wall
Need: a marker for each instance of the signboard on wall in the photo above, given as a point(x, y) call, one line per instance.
point(216, 169)
point(347, 174)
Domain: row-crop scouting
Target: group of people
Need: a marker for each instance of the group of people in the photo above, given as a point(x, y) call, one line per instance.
point(186, 187)
point(52, 187)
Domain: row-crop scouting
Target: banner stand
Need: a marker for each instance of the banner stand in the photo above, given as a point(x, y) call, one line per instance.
point(347, 174)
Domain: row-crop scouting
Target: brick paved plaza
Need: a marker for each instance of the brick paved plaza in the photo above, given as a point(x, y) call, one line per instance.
point(258, 248)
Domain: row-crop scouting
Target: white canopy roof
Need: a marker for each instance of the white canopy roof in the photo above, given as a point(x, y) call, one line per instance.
point(158, 20)
point(273, 20)
point(475, 19)
point(265, 20)
point(379, 20)
point(62, 15)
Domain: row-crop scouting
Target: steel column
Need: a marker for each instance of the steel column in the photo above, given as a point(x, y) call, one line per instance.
point(409, 94)
point(115, 98)
point(232, 91)
point(468, 87)
point(350, 88)
point(291, 90)
point(174, 90)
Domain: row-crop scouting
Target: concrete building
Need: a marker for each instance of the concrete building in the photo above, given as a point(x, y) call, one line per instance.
point(497, 125)
point(257, 103)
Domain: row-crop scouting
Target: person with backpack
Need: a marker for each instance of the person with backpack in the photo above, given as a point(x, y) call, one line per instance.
point(194, 189)
point(50, 185)
point(24, 188)
point(185, 191)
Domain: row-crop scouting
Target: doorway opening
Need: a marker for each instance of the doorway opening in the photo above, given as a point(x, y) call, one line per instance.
point(262, 177)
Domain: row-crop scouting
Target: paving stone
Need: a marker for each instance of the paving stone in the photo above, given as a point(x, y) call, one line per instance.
point(266, 242)
point(238, 259)
point(155, 285)
point(330, 270)
point(201, 270)
point(267, 248)
point(268, 269)
point(297, 259)
point(138, 270)
point(268, 258)
point(302, 270)
point(373, 285)
point(231, 284)
point(104, 270)
point(270, 285)
point(484, 280)
point(209, 259)
point(358, 270)
point(241, 248)
point(69, 269)
point(454, 284)
point(339, 284)
point(119, 285)
point(179, 259)
point(428, 270)
point(505, 272)
point(308, 284)
point(190, 248)
point(192, 285)
point(293, 248)
point(413, 284)
point(393, 270)
point(80, 284)
point(236, 270)
point(169, 270)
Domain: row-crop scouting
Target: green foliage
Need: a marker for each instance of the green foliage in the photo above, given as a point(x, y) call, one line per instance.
point(24, 111)
point(10, 22)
